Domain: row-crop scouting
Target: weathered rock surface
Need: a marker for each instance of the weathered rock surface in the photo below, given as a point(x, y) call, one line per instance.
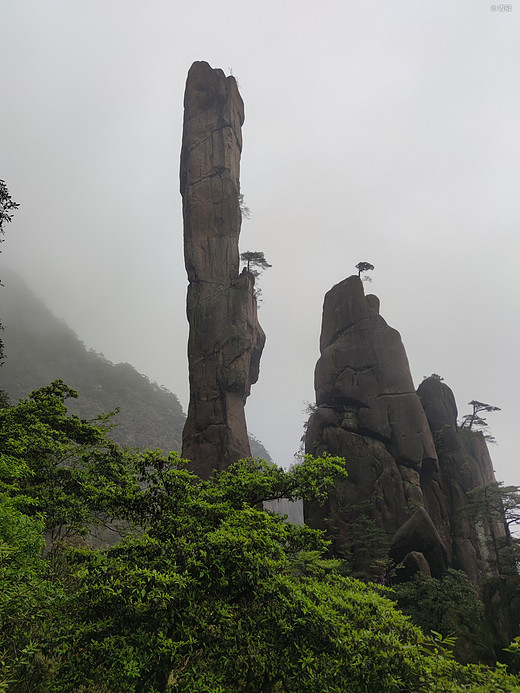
point(409, 466)
point(369, 413)
point(404, 505)
point(414, 562)
point(418, 535)
point(478, 546)
point(464, 464)
point(225, 339)
point(363, 373)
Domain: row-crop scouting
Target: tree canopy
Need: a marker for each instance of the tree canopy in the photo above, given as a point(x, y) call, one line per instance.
point(473, 419)
point(7, 205)
point(498, 507)
point(363, 267)
point(255, 261)
point(205, 592)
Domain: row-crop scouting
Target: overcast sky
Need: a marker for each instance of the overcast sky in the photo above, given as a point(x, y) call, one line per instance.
point(387, 132)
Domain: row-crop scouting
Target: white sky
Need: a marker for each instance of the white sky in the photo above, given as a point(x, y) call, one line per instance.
point(385, 132)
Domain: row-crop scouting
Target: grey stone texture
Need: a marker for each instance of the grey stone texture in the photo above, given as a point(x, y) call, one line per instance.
point(407, 461)
point(225, 338)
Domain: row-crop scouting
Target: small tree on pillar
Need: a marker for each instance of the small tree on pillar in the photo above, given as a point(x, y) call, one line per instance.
point(364, 267)
point(244, 209)
point(255, 262)
point(475, 421)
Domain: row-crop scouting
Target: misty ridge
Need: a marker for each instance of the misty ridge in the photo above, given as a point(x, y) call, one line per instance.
point(40, 348)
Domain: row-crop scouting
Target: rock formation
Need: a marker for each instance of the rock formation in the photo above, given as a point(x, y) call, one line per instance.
point(480, 545)
point(409, 466)
point(464, 464)
point(369, 413)
point(225, 339)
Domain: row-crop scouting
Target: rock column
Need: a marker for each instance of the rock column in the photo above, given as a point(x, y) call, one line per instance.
point(369, 413)
point(464, 464)
point(225, 339)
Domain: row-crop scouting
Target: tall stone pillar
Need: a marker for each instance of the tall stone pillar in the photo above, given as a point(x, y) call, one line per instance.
point(225, 339)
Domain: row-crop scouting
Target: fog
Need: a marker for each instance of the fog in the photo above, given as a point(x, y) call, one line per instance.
point(381, 132)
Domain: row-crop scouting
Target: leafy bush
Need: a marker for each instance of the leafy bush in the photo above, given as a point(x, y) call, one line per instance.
point(207, 594)
point(448, 606)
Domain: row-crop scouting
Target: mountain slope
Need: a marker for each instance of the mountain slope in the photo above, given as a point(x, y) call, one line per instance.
point(40, 348)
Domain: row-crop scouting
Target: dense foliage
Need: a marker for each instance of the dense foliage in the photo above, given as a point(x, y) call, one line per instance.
point(206, 592)
point(449, 606)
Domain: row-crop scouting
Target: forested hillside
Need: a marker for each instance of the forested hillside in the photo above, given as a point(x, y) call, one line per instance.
point(41, 348)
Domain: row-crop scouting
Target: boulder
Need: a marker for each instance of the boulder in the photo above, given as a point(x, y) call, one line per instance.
point(413, 563)
point(419, 534)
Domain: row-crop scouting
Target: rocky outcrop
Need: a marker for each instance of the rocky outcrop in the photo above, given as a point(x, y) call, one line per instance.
point(369, 413)
point(363, 373)
point(418, 540)
point(410, 467)
point(225, 339)
point(464, 464)
point(477, 540)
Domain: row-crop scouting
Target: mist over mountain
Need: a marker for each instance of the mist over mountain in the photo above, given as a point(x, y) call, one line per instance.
point(40, 348)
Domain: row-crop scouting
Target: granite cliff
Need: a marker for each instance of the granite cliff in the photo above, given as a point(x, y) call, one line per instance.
point(225, 338)
point(410, 467)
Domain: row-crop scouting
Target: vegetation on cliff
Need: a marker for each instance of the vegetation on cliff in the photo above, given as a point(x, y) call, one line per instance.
point(206, 592)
